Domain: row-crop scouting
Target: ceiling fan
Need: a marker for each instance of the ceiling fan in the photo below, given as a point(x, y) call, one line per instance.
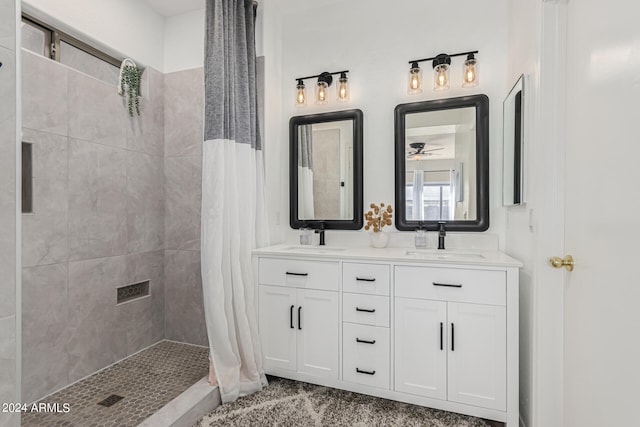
point(419, 152)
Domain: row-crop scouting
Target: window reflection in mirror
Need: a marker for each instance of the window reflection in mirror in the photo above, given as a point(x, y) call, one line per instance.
point(442, 167)
point(438, 145)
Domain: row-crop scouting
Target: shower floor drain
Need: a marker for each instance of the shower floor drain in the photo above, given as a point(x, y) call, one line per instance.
point(111, 400)
point(135, 380)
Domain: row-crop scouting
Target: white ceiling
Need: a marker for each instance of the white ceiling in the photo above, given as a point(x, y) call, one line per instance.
point(175, 7)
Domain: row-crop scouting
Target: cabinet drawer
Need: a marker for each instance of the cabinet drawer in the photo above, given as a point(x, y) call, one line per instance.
point(365, 355)
point(365, 278)
point(365, 309)
point(299, 273)
point(451, 284)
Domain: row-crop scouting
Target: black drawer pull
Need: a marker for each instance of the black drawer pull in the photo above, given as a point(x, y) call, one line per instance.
point(296, 274)
point(366, 310)
point(365, 341)
point(291, 317)
point(360, 371)
point(299, 323)
point(441, 336)
point(366, 279)
point(446, 285)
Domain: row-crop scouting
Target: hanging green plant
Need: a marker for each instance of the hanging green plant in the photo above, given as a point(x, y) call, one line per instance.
point(130, 84)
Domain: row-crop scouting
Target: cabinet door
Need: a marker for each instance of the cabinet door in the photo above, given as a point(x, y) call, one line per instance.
point(477, 355)
point(278, 326)
point(420, 347)
point(318, 333)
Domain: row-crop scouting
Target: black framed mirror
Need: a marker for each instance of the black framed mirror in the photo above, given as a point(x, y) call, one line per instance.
point(325, 171)
point(513, 145)
point(442, 164)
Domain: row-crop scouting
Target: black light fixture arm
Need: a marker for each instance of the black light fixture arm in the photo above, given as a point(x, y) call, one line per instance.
point(443, 55)
point(298, 79)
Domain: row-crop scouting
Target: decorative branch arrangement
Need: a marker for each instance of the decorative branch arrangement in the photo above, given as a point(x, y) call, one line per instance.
point(378, 217)
point(130, 83)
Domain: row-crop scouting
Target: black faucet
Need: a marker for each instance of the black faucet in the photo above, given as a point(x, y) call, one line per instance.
point(441, 234)
point(321, 232)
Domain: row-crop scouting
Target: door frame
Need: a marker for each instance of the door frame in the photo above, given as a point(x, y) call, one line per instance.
point(548, 217)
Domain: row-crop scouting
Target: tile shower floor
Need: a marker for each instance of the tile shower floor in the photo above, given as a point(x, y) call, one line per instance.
point(146, 382)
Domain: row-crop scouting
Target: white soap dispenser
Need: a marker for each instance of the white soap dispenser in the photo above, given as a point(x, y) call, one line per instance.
point(305, 236)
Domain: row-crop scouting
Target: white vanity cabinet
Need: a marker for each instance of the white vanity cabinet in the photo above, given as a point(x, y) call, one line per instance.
point(298, 324)
point(432, 330)
point(454, 320)
point(365, 324)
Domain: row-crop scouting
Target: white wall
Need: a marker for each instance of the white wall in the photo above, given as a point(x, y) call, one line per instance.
point(120, 27)
point(184, 41)
point(375, 42)
point(524, 58)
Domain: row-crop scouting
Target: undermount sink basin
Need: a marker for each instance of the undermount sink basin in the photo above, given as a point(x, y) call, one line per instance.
point(442, 254)
point(313, 249)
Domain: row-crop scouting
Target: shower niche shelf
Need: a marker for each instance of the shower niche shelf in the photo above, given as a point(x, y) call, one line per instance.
point(133, 292)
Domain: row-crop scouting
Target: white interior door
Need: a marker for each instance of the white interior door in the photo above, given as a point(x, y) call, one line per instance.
point(601, 314)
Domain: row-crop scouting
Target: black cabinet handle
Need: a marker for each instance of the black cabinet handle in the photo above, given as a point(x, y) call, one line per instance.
point(360, 371)
point(299, 324)
point(453, 338)
point(366, 279)
point(289, 273)
point(446, 285)
point(366, 310)
point(441, 335)
point(365, 341)
point(291, 317)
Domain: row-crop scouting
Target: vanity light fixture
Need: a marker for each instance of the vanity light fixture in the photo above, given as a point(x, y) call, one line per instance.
point(343, 88)
point(441, 64)
point(470, 71)
point(322, 88)
point(441, 72)
point(301, 95)
point(325, 79)
point(415, 79)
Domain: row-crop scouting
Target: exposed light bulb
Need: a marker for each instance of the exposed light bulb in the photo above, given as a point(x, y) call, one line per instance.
point(301, 97)
point(441, 77)
point(415, 85)
point(343, 88)
point(342, 91)
point(470, 75)
point(321, 93)
point(470, 72)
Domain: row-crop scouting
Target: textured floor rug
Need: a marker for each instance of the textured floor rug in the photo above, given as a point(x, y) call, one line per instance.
point(290, 403)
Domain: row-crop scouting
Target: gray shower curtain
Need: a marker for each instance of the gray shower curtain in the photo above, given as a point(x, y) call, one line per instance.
point(233, 198)
point(305, 172)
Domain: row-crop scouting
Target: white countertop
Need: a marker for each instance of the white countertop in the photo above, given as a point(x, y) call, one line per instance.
point(471, 257)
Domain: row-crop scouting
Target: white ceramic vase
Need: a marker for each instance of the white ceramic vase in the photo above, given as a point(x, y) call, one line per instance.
point(379, 239)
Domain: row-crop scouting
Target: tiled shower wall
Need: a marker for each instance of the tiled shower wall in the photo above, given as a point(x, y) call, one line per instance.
point(184, 103)
point(97, 224)
point(8, 377)
point(183, 119)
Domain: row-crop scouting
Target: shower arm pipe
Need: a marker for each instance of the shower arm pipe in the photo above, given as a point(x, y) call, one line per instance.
point(125, 62)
